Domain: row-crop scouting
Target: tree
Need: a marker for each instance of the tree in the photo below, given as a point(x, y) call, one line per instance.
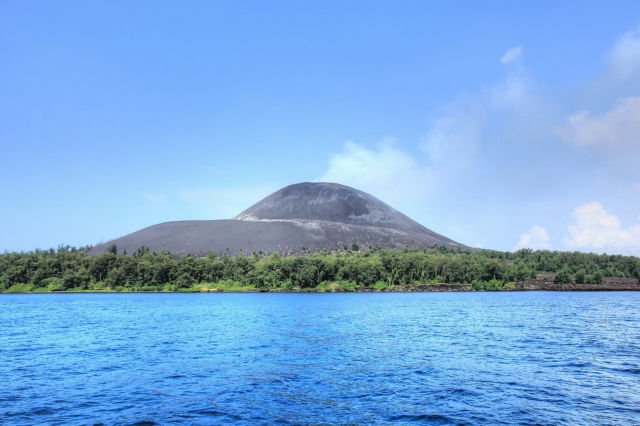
point(562, 277)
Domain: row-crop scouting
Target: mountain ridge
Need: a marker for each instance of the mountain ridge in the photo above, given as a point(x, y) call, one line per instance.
point(299, 217)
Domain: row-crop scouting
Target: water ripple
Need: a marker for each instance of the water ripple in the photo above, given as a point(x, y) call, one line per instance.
point(294, 359)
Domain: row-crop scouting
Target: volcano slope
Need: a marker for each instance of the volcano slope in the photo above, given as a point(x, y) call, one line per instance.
point(300, 217)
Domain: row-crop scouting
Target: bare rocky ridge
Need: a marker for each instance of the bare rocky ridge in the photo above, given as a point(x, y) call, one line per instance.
point(299, 217)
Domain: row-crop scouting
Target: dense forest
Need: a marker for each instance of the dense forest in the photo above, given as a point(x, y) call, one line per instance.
point(69, 269)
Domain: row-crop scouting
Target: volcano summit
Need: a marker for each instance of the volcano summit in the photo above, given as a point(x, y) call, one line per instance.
point(303, 216)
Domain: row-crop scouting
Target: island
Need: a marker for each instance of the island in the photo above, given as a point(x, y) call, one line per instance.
point(307, 237)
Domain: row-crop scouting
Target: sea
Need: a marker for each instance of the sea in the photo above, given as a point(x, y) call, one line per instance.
point(485, 358)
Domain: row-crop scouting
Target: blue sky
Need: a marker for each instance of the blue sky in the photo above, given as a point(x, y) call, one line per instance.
point(499, 124)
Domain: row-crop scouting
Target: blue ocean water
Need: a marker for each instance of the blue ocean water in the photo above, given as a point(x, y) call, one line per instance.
point(413, 358)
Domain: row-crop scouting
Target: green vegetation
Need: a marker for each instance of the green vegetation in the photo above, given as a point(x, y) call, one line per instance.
point(69, 269)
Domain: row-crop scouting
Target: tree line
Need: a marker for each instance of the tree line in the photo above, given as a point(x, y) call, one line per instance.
point(71, 269)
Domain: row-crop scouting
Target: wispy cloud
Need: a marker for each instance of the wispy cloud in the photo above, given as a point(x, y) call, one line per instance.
point(455, 135)
point(624, 58)
point(384, 170)
point(618, 127)
point(505, 143)
point(512, 55)
point(422, 178)
point(427, 177)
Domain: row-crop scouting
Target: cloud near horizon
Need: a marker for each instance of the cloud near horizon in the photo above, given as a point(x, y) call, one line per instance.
point(595, 229)
point(383, 171)
point(537, 238)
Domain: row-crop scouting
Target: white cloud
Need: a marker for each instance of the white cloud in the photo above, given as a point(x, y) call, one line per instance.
point(385, 171)
point(624, 58)
point(512, 55)
point(617, 127)
point(598, 230)
point(501, 142)
point(536, 238)
point(425, 183)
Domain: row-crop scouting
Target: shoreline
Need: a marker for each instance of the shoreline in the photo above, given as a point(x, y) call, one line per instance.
point(374, 270)
point(252, 291)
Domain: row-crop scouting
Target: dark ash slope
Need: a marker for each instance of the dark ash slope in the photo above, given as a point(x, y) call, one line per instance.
point(311, 216)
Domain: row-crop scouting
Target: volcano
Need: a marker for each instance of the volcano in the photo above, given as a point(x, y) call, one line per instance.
point(307, 216)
